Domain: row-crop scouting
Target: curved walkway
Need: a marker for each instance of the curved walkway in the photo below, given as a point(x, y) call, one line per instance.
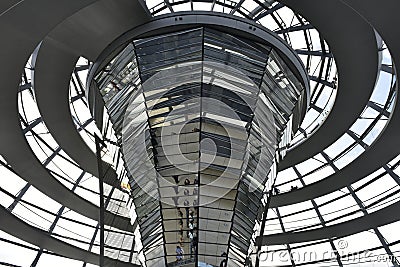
point(35, 236)
point(24, 30)
point(379, 153)
point(53, 66)
point(354, 46)
point(55, 62)
point(381, 217)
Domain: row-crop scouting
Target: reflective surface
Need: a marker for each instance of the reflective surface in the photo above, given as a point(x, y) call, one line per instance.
point(200, 121)
point(374, 192)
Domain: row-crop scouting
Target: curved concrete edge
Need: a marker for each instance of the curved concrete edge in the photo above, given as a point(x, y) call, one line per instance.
point(381, 217)
point(381, 152)
point(384, 19)
point(353, 43)
point(7, 4)
point(24, 27)
point(387, 145)
point(35, 236)
point(53, 67)
point(96, 104)
point(87, 33)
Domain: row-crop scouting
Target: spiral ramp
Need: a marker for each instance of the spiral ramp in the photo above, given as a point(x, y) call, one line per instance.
point(338, 184)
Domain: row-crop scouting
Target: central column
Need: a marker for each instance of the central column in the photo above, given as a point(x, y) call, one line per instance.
point(202, 116)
